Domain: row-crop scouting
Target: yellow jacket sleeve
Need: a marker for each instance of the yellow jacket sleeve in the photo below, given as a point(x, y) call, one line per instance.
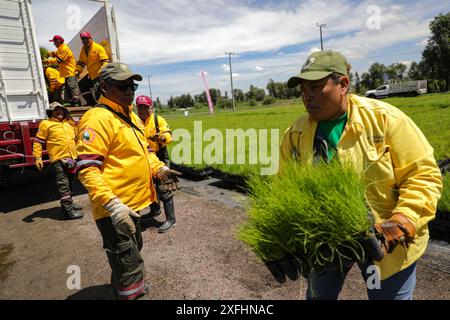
point(102, 55)
point(37, 150)
point(93, 181)
point(165, 130)
point(155, 163)
point(82, 61)
point(40, 139)
point(418, 177)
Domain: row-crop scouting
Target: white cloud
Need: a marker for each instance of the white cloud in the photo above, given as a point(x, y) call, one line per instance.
point(195, 30)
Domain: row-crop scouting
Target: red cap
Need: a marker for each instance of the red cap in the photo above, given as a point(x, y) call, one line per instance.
point(85, 34)
point(57, 37)
point(144, 100)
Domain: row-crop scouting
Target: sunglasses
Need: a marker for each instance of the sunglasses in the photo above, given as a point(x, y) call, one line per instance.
point(123, 86)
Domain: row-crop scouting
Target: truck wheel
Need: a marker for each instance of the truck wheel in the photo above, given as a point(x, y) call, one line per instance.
point(371, 96)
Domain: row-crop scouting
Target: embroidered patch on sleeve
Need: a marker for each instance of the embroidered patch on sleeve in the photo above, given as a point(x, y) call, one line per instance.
point(88, 135)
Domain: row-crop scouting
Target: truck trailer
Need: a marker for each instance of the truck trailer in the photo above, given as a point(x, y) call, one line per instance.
point(399, 88)
point(23, 92)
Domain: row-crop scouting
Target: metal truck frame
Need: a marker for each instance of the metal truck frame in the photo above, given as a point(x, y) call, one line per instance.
point(23, 94)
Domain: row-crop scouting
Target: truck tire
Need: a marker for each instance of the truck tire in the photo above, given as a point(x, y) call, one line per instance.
point(372, 96)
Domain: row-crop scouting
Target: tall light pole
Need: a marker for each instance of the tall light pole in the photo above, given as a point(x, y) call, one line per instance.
point(321, 25)
point(231, 79)
point(149, 86)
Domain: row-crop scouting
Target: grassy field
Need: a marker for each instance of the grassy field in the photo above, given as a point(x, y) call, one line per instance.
point(430, 112)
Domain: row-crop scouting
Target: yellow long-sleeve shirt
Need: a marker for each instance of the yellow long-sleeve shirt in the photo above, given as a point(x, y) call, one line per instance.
point(59, 137)
point(150, 131)
point(65, 59)
point(113, 159)
point(94, 60)
point(397, 160)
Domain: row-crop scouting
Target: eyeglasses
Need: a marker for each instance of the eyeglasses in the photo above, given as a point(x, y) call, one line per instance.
point(123, 86)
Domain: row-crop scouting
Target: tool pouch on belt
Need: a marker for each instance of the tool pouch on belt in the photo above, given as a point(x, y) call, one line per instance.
point(70, 165)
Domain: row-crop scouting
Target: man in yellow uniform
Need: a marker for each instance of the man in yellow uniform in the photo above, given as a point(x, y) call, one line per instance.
point(56, 84)
point(158, 134)
point(116, 168)
point(94, 57)
point(58, 134)
point(66, 61)
point(394, 156)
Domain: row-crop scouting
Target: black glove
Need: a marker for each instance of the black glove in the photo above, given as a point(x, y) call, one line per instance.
point(288, 266)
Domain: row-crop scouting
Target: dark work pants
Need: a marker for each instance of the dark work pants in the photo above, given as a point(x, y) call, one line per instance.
point(90, 90)
point(71, 91)
point(125, 260)
point(64, 182)
point(56, 96)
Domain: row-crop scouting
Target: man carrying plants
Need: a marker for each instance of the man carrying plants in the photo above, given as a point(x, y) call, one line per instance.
point(402, 181)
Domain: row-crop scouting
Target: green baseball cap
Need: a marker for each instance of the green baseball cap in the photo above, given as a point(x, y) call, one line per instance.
point(119, 72)
point(319, 65)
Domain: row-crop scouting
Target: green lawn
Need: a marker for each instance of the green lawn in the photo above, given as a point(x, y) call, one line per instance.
point(430, 112)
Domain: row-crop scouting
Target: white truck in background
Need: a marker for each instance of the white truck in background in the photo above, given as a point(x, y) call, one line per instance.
point(398, 88)
point(23, 93)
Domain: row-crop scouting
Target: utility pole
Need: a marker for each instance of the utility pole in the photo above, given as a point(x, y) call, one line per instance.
point(149, 86)
point(321, 25)
point(231, 79)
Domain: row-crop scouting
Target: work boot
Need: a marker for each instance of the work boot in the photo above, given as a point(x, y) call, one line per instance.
point(170, 222)
point(73, 214)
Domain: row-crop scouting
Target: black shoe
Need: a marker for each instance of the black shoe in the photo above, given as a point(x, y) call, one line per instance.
point(77, 207)
point(169, 224)
point(74, 215)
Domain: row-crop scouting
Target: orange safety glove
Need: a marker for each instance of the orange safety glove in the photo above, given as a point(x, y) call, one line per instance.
point(38, 163)
point(395, 230)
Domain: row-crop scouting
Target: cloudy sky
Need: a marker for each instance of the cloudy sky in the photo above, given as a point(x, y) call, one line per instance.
point(174, 40)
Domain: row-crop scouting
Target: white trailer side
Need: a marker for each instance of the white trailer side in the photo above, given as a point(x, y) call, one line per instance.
point(23, 94)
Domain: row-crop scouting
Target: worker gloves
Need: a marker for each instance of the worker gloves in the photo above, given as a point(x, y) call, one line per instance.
point(169, 179)
point(121, 216)
point(397, 229)
point(38, 163)
point(288, 266)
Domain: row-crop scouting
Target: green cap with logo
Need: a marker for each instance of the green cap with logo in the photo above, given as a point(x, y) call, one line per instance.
point(319, 65)
point(119, 72)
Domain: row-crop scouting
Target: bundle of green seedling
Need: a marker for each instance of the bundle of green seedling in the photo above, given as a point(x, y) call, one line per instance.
point(315, 213)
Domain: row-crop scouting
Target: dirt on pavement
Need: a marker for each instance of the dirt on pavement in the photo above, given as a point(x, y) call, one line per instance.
point(199, 259)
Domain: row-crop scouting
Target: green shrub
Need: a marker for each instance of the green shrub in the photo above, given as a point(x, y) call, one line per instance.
point(225, 103)
point(317, 214)
point(252, 103)
point(268, 100)
point(444, 202)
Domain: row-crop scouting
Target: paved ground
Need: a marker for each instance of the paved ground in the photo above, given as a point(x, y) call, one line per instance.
point(199, 259)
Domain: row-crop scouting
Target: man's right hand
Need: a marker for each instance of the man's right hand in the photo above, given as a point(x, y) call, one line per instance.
point(121, 216)
point(39, 163)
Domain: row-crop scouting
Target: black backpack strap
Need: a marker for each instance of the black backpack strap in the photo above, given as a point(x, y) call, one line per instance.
point(121, 116)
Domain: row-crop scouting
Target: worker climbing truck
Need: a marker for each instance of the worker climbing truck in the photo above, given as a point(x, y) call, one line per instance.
point(23, 92)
